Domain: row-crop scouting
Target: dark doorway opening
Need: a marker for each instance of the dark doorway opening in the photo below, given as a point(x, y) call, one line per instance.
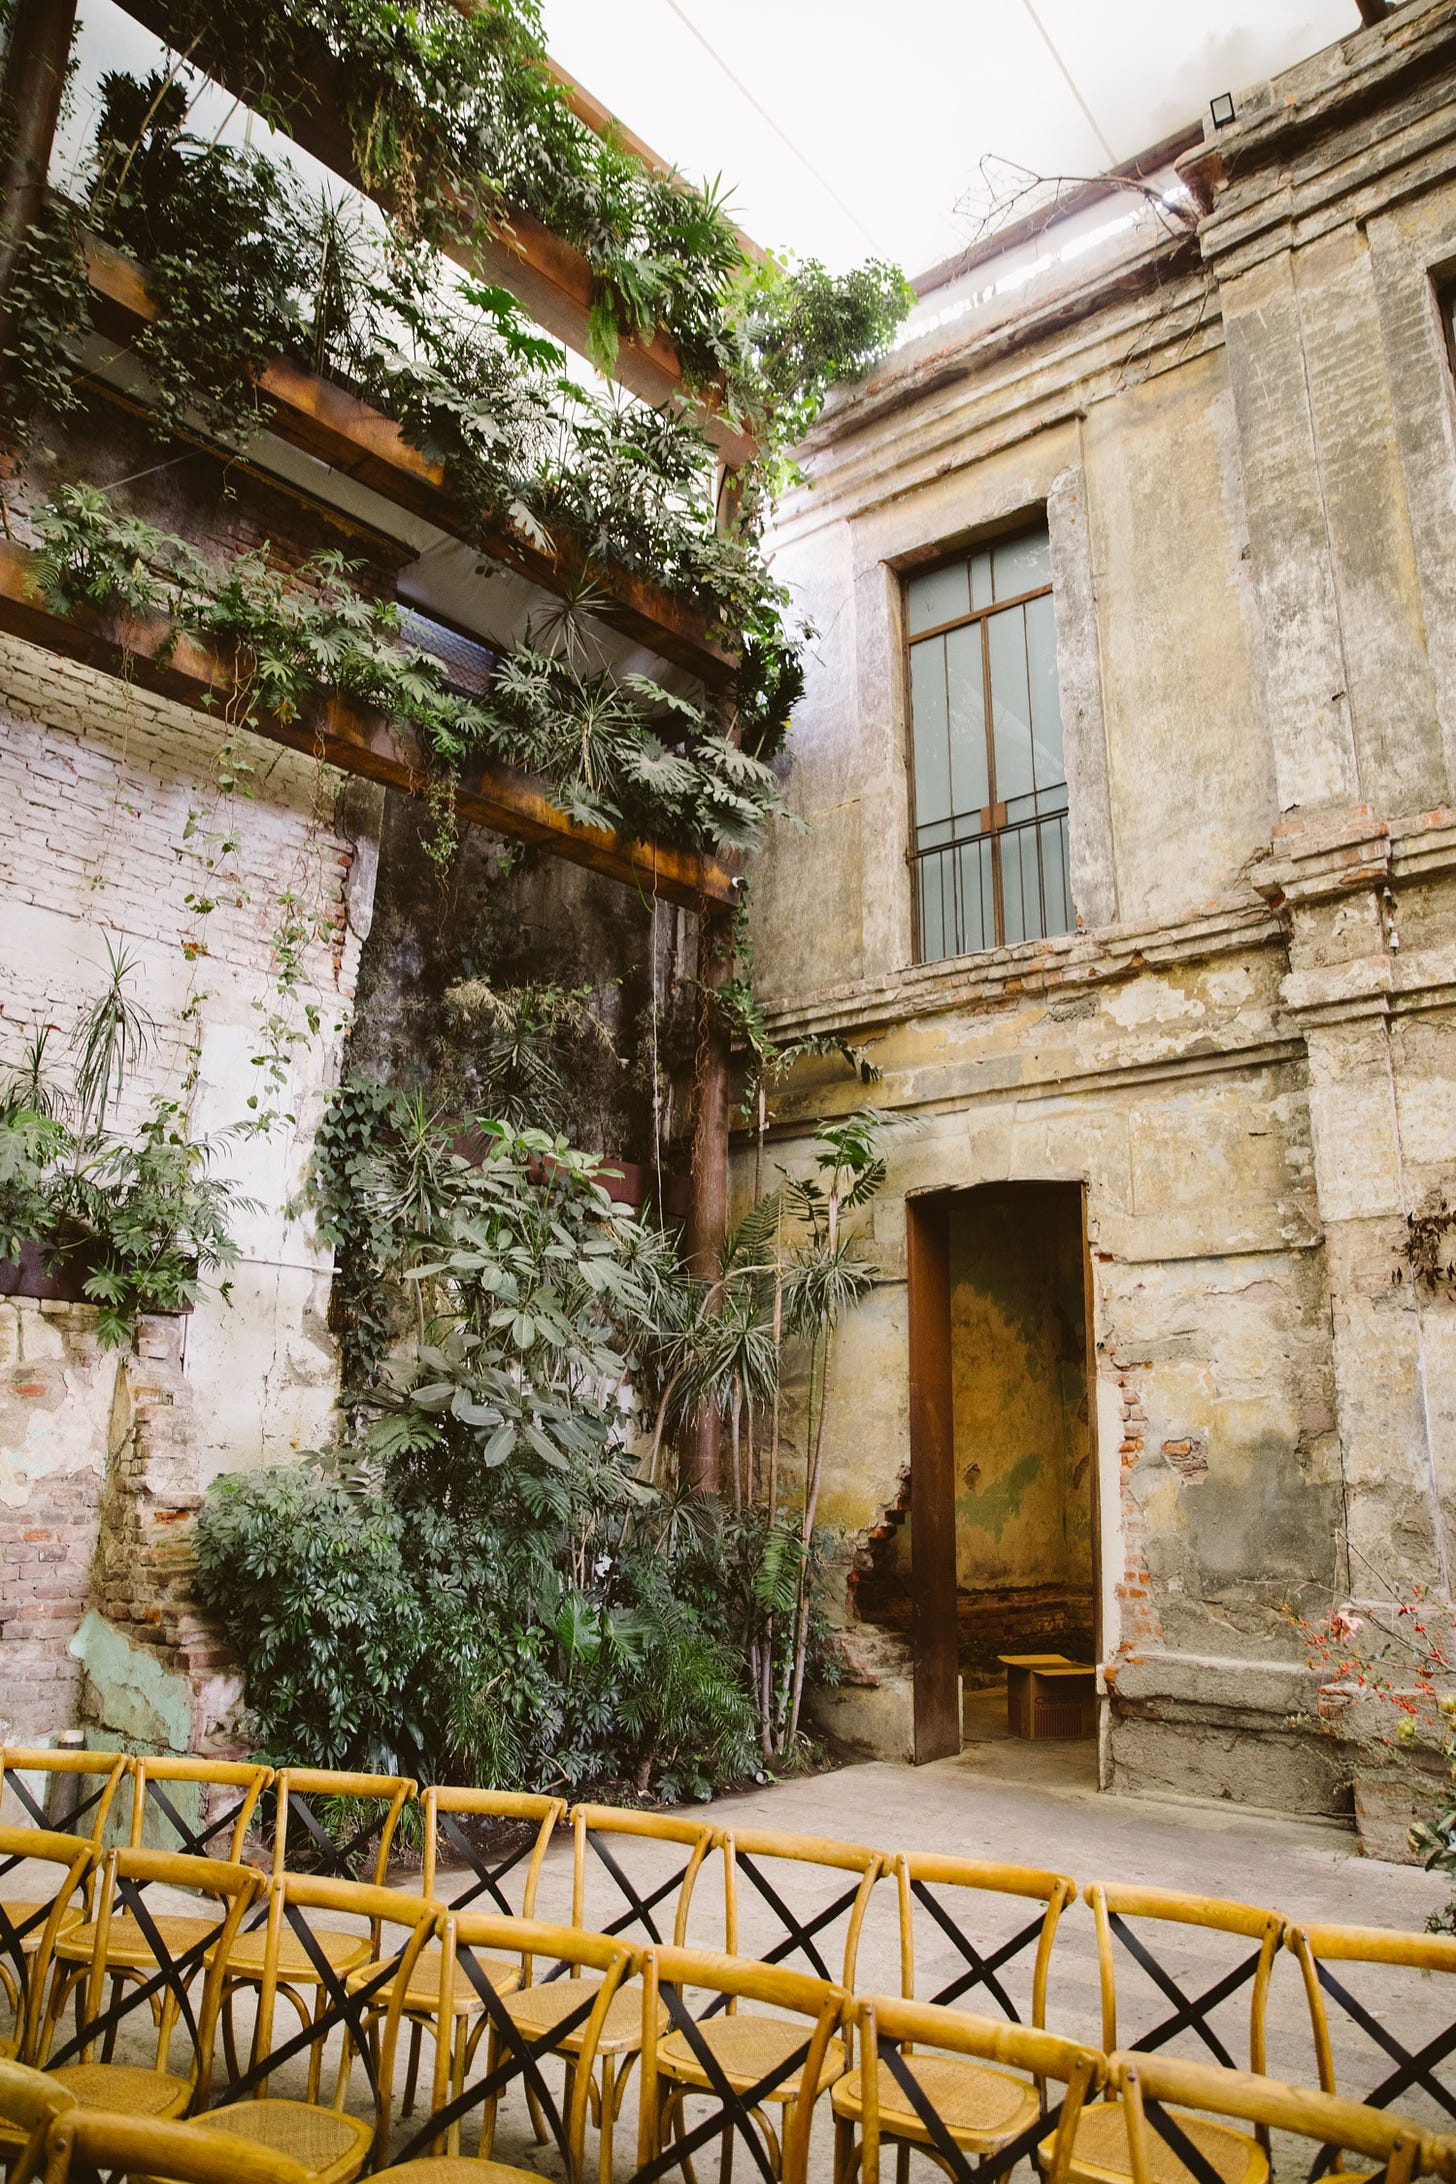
point(1003, 1543)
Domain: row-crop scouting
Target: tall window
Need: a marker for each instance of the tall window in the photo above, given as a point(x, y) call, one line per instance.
point(990, 852)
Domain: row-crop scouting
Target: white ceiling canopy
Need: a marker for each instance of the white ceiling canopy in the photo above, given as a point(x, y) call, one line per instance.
point(851, 128)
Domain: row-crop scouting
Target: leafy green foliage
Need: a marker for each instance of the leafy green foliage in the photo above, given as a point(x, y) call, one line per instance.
point(628, 755)
point(809, 330)
point(143, 1215)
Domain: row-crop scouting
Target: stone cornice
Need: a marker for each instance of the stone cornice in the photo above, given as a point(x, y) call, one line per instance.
point(1070, 964)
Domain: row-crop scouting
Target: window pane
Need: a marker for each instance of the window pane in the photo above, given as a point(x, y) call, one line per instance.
point(978, 916)
point(981, 593)
point(939, 597)
point(1010, 703)
point(1046, 703)
point(969, 786)
point(932, 912)
point(931, 740)
point(1014, 849)
point(1023, 564)
point(1055, 888)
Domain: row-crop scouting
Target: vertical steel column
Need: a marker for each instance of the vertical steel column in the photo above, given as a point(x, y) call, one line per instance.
point(36, 59)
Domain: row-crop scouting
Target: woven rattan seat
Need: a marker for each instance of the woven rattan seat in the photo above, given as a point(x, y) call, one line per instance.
point(1100, 2155)
point(537, 2009)
point(981, 2107)
point(128, 2089)
point(345, 1952)
point(423, 1992)
point(326, 2142)
point(21, 1912)
point(460, 2169)
point(746, 2047)
point(127, 1946)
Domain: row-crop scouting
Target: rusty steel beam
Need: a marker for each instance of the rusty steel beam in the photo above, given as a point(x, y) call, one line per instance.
point(36, 57)
point(490, 795)
point(548, 276)
point(325, 421)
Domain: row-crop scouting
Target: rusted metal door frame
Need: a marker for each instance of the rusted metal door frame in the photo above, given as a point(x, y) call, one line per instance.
point(935, 1636)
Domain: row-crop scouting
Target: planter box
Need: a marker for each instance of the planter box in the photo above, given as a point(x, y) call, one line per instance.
point(27, 1277)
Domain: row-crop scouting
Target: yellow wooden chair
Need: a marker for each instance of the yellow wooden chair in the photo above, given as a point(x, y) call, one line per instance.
point(593, 1971)
point(31, 1927)
point(29, 2104)
point(309, 1837)
point(151, 1998)
point(1417, 2037)
point(966, 1904)
point(214, 1822)
point(609, 1897)
point(918, 2064)
point(504, 1881)
point(1132, 1925)
point(783, 1872)
point(776, 2056)
point(94, 1778)
point(85, 2142)
point(332, 2145)
point(1156, 2094)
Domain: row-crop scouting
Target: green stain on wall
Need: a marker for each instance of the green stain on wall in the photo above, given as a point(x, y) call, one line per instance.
point(992, 1510)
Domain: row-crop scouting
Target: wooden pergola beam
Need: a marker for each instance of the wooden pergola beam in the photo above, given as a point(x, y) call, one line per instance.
point(491, 795)
point(549, 277)
point(325, 421)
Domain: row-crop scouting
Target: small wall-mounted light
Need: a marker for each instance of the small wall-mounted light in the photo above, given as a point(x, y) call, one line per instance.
point(1222, 109)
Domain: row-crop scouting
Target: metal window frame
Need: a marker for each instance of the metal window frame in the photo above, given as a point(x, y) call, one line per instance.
point(995, 833)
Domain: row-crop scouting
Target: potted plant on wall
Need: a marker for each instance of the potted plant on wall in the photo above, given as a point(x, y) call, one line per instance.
point(129, 1223)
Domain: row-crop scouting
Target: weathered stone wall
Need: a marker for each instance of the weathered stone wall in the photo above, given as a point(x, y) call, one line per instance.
point(1244, 443)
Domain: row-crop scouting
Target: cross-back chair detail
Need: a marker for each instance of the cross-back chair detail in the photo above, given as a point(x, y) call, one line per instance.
point(1120, 1913)
point(223, 1820)
point(779, 2054)
point(594, 1969)
point(599, 1836)
point(751, 1851)
point(330, 2143)
point(164, 1986)
point(1146, 2086)
point(967, 2091)
point(1318, 1950)
point(483, 1888)
point(30, 1927)
point(30, 2102)
point(106, 1769)
point(315, 1847)
point(923, 1879)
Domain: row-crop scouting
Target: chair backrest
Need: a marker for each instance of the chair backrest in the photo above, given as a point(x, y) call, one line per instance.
point(620, 1889)
point(669, 1978)
point(815, 1890)
point(1399, 2035)
point(324, 1822)
point(86, 2141)
point(465, 1938)
point(1144, 2083)
point(210, 1823)
point(890, 2029)
point(30, 2102)
point(28, 1928)
point(1136, 1932)
point(168, 1995)
point(96, 1777)
point(530, 1822)
point(965, 1906)
point(395, 1929)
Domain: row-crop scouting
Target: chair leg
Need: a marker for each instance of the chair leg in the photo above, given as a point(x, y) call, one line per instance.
point(488, 2106)
point(609, 2116)
point(457, 2076)
point(843, 2149)
point(412, 2073)
point(902, 2163)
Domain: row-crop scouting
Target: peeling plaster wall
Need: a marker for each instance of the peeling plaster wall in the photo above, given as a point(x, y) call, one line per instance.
point(98, 784)
point(1245, 446)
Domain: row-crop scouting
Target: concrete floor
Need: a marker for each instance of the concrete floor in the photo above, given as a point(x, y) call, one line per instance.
point(1038, 1805)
